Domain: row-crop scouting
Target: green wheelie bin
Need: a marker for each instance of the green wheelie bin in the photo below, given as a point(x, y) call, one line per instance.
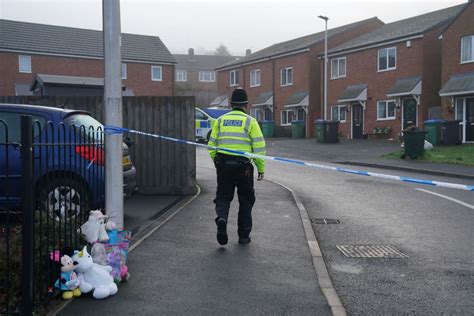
point(297, 129)
point(320, 130)
point(267, 128)
point(433, 127)
point(414, 142)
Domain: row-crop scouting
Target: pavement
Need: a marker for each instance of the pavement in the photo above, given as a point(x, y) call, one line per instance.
point(181, 269)
point(365, 153)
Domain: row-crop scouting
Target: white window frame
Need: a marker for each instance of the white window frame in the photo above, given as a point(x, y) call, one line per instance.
point(161, 73)
point(340, 108)
point(338, 61)
point(181, 75)
point(387, 118)
point(285, 113)
point(286, 70)
point(233, 78)
point(124, 71)
point(388, 66)
point(24, 58)
point(202, 76)
point(472, 49)
point(255, 78)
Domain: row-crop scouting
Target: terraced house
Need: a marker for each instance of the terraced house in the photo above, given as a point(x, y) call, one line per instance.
point(457, 71)
point(284, 81)
point(387, 80)
point(54, 60)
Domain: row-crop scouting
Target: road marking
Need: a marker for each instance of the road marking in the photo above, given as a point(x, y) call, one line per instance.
point(448, 198)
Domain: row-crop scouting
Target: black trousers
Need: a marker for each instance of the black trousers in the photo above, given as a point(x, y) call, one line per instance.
point(235, 172)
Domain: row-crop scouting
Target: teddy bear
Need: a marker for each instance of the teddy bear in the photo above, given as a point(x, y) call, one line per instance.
point(94, 229)
point(68, 282)
point(94, 277)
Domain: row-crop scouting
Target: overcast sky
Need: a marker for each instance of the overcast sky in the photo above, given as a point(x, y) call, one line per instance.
point(204, 25)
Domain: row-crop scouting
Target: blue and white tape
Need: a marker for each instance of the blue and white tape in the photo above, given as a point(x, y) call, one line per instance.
point(120, 130)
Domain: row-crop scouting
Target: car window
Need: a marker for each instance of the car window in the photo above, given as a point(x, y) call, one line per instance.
point(13, 122)
point(200, 115)
point(93, 127)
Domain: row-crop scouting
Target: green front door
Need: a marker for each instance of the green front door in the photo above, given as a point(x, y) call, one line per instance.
point(409, 113)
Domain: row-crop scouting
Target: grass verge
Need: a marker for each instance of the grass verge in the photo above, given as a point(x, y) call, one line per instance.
point(461, 155)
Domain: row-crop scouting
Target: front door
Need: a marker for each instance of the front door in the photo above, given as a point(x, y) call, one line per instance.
point(469, 120)
point(357, 121)
point(409, 113)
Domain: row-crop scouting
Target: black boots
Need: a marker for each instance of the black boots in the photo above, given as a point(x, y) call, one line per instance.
point(244, 240)
point(221, 231)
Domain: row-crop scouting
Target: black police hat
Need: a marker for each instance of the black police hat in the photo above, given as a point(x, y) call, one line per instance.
point(239, 97)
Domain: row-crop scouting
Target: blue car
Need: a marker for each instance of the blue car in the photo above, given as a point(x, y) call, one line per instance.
point(68, 174)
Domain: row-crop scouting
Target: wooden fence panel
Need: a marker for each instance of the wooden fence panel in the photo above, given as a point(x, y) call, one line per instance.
point(163, 167)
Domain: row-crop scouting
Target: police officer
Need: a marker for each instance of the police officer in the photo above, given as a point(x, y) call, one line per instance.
point(236, 131)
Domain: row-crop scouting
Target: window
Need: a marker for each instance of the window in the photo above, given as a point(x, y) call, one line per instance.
point(338, 68)
point(387, 58)
point(124, 71)
point(338, 113)
point(255, 78)
point(257, 114)
point(268, 115)
point(24, 64)
point(156, 73)
point(13, 121)
point(459, 112)
point(467, 49)
point(286, 117)
point(286, 76)
point(386, 110)
point(181, 75)
point(234, 78)
point(207, 76)
point(200, 115)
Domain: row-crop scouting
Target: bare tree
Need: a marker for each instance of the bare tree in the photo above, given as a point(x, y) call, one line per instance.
point(222, 51)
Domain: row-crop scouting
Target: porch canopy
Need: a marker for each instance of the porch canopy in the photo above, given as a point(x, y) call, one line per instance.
point(264, 100)
point(354, 93)
point(406, 87)
point(296, 100)
point(220, 101)
point(458, 85)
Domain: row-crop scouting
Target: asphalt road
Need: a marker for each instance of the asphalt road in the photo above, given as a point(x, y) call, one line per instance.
point(435, 232)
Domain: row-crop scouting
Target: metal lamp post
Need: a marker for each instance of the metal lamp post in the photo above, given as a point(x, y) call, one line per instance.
point(325, 18)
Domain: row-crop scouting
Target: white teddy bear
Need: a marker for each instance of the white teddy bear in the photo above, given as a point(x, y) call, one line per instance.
point(94, 229)
point(94, 276)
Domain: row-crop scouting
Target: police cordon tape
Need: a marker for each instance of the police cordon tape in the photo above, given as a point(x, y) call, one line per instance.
point(120, 130)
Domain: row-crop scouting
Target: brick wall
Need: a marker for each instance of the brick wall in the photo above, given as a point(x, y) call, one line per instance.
point(204, 92)
point(451, 53)
point(138, 74)
point(361, 68)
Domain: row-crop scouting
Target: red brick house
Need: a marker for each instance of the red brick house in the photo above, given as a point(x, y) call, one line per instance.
point(386, 80)
point(283, 81)
point(196, 76)
point(457, 71)
point(72, 57)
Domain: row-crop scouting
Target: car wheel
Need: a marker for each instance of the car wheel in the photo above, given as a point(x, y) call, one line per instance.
point(64, 198)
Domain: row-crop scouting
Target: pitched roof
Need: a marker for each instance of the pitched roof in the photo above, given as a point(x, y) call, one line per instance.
point(295, 44)
point(50, 39)
point(458, 85)
point(470, 2)
point(201, 62)
point(404, 86)
point(400, 29)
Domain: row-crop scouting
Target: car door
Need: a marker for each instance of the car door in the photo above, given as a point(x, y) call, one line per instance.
point(203, 124)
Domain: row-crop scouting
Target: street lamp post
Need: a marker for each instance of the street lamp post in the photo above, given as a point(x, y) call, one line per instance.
point(325, 18)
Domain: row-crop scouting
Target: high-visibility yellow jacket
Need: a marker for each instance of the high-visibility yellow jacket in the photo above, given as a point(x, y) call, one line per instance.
point(238, 131)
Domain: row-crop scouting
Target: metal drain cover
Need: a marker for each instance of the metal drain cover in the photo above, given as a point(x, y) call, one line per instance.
point(374, 251)
point(325, 221)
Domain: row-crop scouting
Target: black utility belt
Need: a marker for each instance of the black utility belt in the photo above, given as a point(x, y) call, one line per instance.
point(230, 159)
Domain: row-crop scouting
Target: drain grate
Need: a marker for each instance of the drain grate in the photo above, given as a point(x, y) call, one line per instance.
point(325, 221)
point(374, 251)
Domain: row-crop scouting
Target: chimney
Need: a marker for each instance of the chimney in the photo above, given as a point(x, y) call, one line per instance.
point(248, 52)
point(191, 54)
